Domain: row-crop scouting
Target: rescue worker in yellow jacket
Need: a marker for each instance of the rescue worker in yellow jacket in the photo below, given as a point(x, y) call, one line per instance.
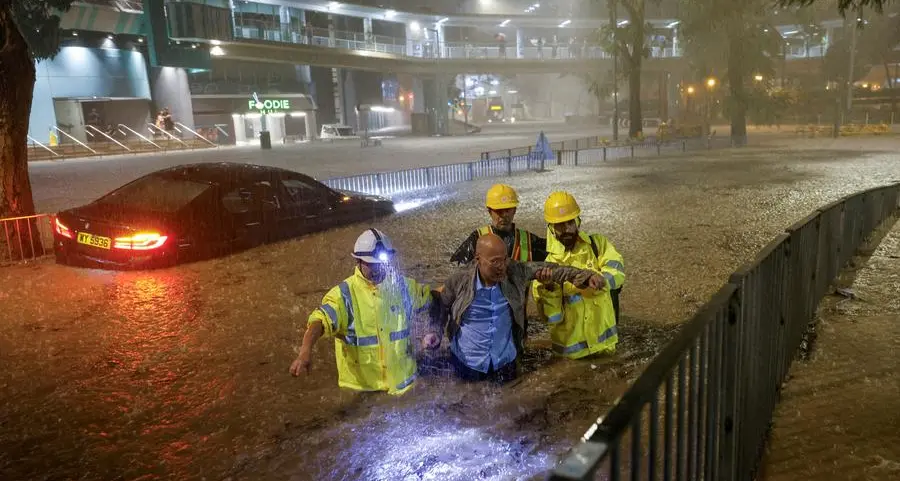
point(502, 201)
point(582, 321)
point(369, 314)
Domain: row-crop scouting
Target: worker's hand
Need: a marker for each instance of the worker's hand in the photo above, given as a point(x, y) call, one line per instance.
point(597, 282)
point(303, 363)
point(431, 341)
point(544, 275)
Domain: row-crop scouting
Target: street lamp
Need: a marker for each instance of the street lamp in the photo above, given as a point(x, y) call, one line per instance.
point(758, 77)
point(711, 82)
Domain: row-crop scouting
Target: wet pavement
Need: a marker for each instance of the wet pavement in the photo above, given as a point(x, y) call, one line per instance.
point(182, 373)
point(838, 416)
point(67, 183)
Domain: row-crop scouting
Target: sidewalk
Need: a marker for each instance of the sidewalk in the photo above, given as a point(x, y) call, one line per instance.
point(839, 416)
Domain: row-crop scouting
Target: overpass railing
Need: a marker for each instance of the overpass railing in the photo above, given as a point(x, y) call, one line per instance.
point(701, 409)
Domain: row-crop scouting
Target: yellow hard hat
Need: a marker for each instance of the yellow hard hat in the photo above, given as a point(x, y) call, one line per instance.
point(501, 196)
point(560, 207)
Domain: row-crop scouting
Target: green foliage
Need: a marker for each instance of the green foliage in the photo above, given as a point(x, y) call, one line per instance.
point(708, 25)
point(38, 20)
point(842, 5)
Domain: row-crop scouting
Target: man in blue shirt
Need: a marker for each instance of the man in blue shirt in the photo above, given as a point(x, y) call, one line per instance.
point(487, 309)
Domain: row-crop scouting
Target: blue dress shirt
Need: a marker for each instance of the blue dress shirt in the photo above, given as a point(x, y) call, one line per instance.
point(485, 339)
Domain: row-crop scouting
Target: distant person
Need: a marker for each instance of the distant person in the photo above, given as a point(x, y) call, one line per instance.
point(486, 307)
point(370, 315)
point(501, 202)
point(93, 118)
point(168, 122)
point(582, 321)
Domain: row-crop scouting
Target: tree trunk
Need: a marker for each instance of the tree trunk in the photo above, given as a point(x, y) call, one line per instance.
point(890, 82)
point(635, 118)
point(736, 78)
point(16, 87)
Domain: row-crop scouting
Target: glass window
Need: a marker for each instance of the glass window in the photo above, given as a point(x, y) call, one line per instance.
point(299, 191)
point(156, 193)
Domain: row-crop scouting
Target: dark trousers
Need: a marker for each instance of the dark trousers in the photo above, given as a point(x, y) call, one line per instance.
point(503, 375)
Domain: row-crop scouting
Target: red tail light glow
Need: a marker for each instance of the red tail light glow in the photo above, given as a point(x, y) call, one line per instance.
point(144, 241)
point(61, 228)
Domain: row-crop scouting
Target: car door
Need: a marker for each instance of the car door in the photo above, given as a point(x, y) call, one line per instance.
point(250, 209)
point(307, 206)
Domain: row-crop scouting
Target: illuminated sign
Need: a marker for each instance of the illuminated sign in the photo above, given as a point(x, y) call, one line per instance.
point(496, 107)
point(268, 106)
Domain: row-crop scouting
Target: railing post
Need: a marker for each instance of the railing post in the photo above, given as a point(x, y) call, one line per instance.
point(632, 151)
point(576, 157)
point(731, 384)
point(684, 145)
point(658, 148)
point(559, 157)
point(472, 171)
point(604, 154)
point(379, 184)
point(429, 177)
point(509, 164)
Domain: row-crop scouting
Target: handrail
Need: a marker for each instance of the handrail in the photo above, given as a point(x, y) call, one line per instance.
point(197, 135)
point(139, 135)
point(48, 149)
point(73, 138)
point(109, 137)
point(717, 383)
point(220, 129)
point(165, 132)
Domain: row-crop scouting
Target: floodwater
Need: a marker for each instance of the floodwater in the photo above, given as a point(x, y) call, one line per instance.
point(182, 373)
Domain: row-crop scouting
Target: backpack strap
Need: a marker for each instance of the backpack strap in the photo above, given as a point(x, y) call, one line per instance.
point(594, 247)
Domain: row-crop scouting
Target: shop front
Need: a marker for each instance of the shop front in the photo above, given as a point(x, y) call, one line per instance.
point(287, 117)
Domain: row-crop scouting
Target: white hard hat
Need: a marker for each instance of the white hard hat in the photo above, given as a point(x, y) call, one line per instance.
point(373, 247)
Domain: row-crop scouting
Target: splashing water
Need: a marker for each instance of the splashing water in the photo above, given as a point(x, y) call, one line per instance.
point(420, 445)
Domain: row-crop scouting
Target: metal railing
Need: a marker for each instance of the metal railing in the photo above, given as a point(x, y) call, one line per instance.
point(402, 181)
point(25, 238)
point(593, 149)
point(703, 406)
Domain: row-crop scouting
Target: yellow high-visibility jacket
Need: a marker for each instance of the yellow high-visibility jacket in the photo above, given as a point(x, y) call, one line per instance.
point(521, 246)
point(582, 321)
point(371, 326)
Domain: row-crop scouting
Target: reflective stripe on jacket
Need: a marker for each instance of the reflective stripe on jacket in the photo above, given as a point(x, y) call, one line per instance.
point(371, 325)
point(582, 321)
point(521, 245)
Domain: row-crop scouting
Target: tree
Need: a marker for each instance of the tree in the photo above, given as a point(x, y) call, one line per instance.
point(842, 5)
point(628, 40)
point(29, 31)
point(736, 36)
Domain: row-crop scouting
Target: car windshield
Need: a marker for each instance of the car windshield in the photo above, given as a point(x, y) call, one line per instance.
point(156, 193)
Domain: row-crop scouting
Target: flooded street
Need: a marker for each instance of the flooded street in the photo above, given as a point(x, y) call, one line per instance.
point(182, 373)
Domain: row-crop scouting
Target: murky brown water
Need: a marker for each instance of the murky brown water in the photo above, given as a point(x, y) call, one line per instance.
point(182, 373)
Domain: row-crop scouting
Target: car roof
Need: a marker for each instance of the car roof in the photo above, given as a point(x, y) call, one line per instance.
point(222, 173)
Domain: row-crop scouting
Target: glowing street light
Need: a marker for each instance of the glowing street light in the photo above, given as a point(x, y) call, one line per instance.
point(758, 78)
point(690, 90)
point(711, 82)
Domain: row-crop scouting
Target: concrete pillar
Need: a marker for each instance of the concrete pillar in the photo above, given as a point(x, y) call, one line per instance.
point(348, 94)
point(337, 85)
point(234, 27)
point(675, 52)
point(284, 18)
point(440, 41)
point(418, 91)
point(520, 43)
point(331, 33)
point(436, 103)
point(240, 133)
point(312, 125)
point(169, 87)
point(367, 31)
point(413, 40)
point(275, 125)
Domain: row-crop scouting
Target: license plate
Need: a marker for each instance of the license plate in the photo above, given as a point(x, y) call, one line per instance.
point(94, 240)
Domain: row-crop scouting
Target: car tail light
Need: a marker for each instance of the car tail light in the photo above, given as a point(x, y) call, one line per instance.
point(144, 241)
point(61, 228)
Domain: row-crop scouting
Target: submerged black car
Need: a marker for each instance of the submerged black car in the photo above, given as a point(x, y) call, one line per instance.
point(199, 211)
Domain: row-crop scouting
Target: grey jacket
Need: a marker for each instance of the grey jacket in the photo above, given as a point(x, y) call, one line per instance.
point(459, 292)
